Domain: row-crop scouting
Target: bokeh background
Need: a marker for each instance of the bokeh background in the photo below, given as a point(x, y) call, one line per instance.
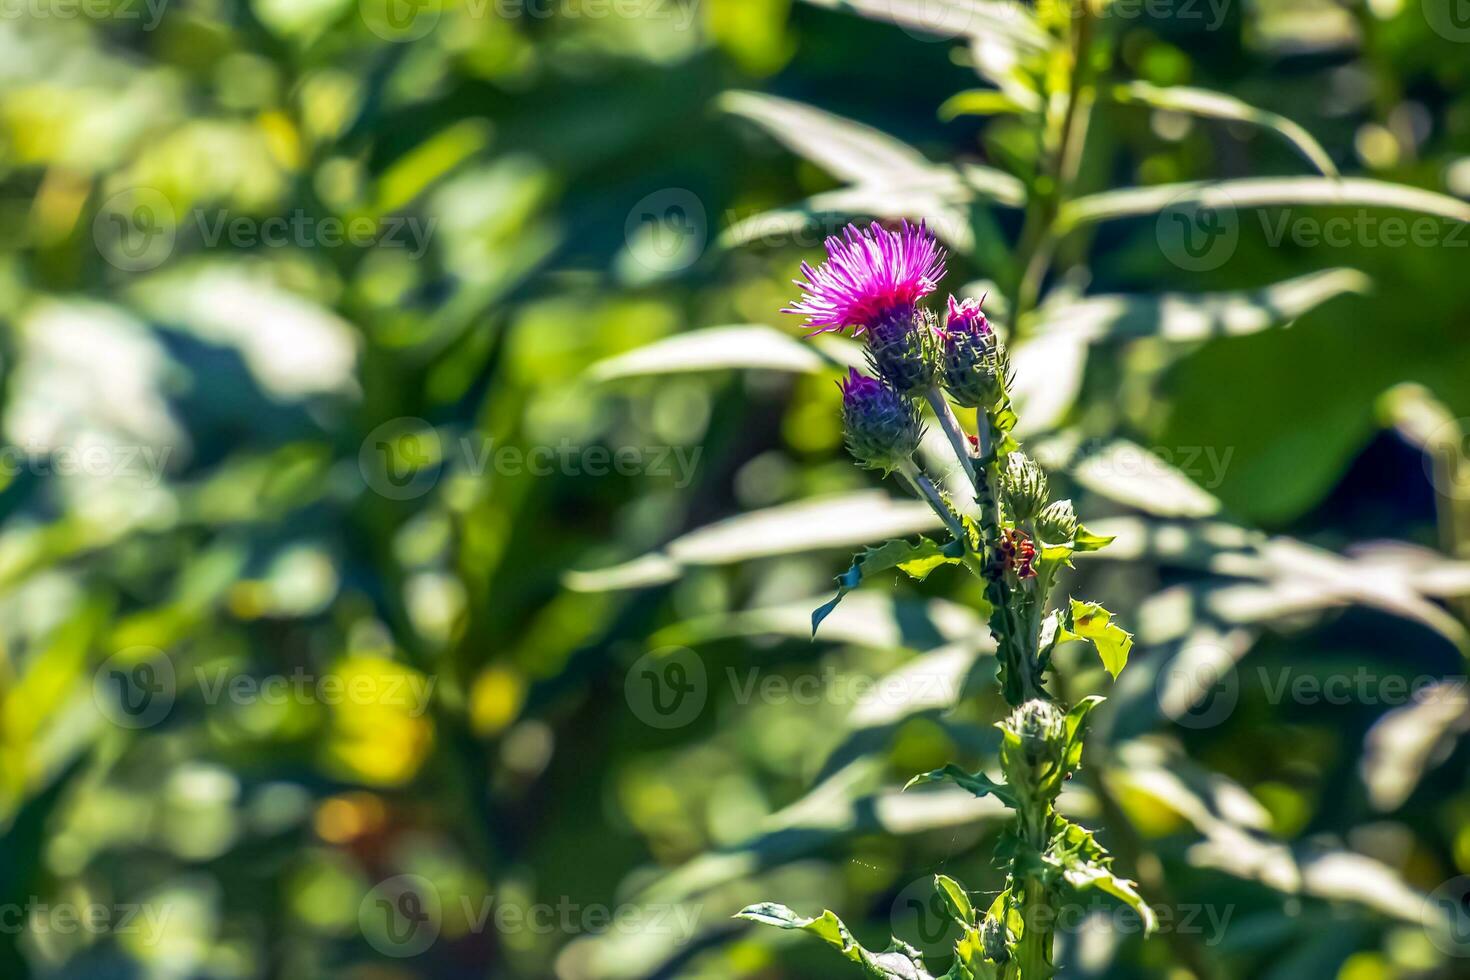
point(412, 503)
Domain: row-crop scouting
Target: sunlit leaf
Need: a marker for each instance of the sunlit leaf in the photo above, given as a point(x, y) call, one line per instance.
point(1090, 621)
point(1192, 317)
point(952, 18)
point(1253, 192)
point(915, 559)
point(1217, 105)
point(898, 962)
point(746, 346)
point(808, 525)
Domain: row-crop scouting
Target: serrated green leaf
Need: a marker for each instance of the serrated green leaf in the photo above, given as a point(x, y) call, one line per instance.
point(1084, 863)
point(1103, 879)
point(1090, 621)
point(977, 782)
point(915, 559)
point(899, 962)
point(1085, 541)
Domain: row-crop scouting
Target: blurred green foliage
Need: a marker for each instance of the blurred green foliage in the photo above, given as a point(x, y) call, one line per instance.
point(310, 493)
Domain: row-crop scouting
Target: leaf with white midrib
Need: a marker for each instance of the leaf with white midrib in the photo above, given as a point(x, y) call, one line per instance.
point(1253, 192)
point(1217, 105)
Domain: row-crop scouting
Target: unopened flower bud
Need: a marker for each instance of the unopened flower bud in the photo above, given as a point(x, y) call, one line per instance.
point(1040, 726)
point(1057, 522)
point(993, 939)
point(882, 427)
point(1025, 486)
point(902, 350)
point(972, 363)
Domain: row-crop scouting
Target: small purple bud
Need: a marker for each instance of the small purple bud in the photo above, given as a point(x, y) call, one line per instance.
point(972, 363)
point(965, 316)
point(882, 427)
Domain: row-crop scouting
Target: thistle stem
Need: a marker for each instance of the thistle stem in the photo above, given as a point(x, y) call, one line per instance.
point(925, 488)
point(957, 438)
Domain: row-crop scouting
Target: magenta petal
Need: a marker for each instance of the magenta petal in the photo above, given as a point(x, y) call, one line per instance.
point(868, 274)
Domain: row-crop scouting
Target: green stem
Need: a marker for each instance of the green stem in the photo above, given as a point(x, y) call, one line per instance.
point(924, 488)
point(958, 441)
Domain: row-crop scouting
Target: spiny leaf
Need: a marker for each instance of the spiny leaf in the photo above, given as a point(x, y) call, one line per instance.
point(1090, 621)
point(978, 783)
point(899, 962)
point(1085, 540)
point(916, 560)
point(1084, 863)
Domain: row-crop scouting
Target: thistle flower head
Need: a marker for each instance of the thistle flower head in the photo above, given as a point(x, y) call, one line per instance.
point(966, 317)
point(869, 275)
point(1041, 727)
point(902, 349)
point(972, 363)
point(1057, 522)
point(881, 426)
point(1025, 486)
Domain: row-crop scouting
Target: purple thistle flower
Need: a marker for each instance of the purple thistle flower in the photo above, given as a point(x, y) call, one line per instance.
point(965, 316)
point(869, 276)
